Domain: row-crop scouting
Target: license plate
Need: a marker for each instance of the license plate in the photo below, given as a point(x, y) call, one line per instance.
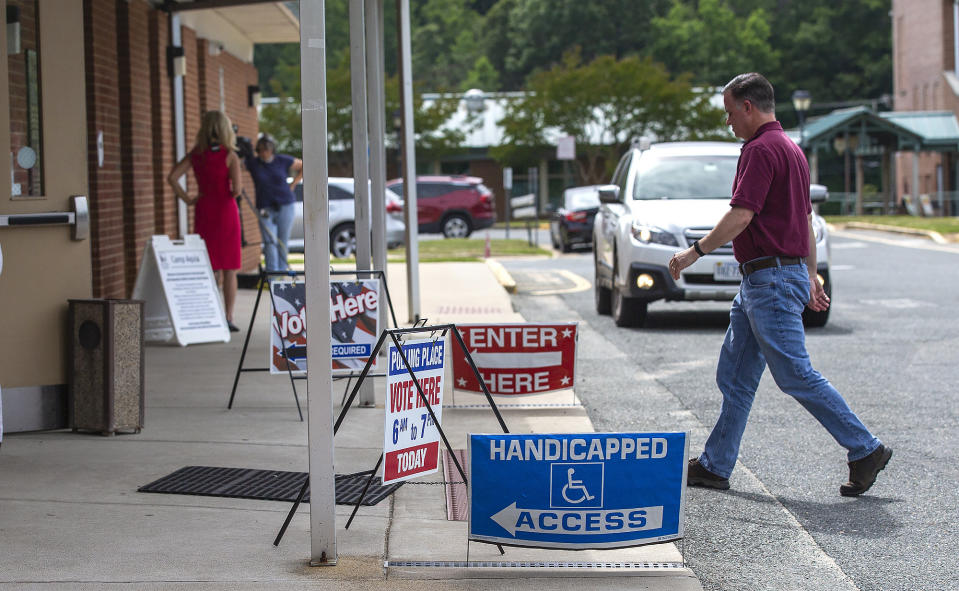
point(727, 272)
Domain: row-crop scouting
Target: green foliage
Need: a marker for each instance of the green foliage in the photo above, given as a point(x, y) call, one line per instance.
point(444, 43)
point(711, 41)
point(838, 51)
point(631, 97)
point(283, 121)
point(483, 76)
point(524, 36)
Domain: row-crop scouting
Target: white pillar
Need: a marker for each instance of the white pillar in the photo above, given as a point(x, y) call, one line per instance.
point(319, 377)
point(377, 101)
point(409, 162)
point(361, 156)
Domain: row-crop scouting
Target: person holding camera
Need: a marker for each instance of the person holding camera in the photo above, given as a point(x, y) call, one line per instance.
point(274, 198)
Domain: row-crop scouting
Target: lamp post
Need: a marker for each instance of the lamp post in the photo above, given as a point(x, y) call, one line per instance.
point(802, 100)
point(398, 128)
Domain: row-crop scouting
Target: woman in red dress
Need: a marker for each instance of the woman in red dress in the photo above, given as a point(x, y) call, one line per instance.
point(217, 220)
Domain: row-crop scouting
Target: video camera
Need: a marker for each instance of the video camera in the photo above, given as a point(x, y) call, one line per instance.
point(244, 147)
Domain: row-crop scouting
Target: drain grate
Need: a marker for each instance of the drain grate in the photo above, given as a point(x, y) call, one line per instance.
point(264, 485)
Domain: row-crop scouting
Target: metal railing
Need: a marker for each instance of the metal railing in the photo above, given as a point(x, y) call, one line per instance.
point(928, 205)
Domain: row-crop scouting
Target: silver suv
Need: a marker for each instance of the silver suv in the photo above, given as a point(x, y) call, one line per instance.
point(342, 219)
point(661, 199)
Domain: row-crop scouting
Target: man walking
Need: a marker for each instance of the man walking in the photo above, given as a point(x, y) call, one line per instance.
point(770, 224)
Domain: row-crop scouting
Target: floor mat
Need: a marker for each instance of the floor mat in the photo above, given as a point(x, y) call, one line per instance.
point(265, 485)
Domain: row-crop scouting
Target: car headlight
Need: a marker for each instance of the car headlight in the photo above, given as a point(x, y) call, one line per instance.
point(651, 234)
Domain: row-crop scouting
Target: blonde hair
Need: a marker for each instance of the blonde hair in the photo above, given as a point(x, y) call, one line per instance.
point(216, 128)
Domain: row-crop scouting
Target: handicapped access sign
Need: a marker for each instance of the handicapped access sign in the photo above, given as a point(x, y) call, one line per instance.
point(577, 491)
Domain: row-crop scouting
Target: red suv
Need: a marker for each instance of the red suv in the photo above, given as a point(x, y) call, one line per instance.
point(453, 205)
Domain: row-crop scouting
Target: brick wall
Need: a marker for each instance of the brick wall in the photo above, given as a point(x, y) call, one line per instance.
point(136, 134)
point(161, 123)
point(922, 50)
point(130, 100)
point(103, 115)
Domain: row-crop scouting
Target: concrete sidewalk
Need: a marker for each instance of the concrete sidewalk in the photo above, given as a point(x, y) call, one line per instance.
point(70, 516)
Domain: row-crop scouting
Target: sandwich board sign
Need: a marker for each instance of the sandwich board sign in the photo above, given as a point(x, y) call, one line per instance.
point(517, 359)
point(354, 324)
point(577, 491)
point(182, 300)
point(411, 439)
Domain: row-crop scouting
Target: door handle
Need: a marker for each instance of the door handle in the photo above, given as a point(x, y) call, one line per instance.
point(78, 217)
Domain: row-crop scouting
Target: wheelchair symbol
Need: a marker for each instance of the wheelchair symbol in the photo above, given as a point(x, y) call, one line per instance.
point(575, 485)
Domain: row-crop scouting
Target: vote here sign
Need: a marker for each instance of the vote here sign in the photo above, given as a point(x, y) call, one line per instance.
point(411, 439)
point(578, 491)
point(354, 324)
point(517, 359)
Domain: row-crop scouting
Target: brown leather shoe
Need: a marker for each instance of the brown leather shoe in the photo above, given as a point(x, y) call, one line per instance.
point(696, 475)
point(862, 473)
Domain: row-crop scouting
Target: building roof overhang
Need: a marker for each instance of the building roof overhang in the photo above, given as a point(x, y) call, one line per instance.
point(895, 130)
point(260, 21)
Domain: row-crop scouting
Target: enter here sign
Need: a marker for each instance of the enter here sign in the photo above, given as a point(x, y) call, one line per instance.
point(517, 359)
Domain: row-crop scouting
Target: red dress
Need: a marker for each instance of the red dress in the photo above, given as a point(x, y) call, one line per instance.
point(217, 218)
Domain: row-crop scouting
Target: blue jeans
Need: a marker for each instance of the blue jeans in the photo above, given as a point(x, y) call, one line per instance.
point(765, 327)
point(279, 221)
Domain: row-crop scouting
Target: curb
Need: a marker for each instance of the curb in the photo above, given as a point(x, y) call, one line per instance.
point(502, 275)
point(931, 234)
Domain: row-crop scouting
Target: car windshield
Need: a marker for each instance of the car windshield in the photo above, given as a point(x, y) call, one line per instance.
point(685, 177)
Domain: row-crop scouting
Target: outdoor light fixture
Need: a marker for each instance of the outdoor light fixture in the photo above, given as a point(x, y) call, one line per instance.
point(253, 96)
point(176, 60)
point(398, 120)
point(475, 101)
point(802, 100)
point(13, 30)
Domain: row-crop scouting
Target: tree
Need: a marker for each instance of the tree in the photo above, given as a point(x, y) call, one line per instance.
point(712, 42)
point(523, 36)
point(838, 51)
point(444, 43)
point(604, 105)
point(282, 120)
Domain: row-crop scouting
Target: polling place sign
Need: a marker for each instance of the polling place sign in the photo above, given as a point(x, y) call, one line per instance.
point(411, 438)
point(517, 359)
point(577, 491)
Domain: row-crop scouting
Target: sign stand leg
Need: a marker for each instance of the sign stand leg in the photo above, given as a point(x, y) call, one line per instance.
point(479, 378)
point(289, 370)
point(296, 504)
point(359, 501)
point(249, 333)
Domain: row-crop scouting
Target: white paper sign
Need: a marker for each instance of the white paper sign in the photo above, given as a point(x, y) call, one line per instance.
point(566, 148)
point(182, 300)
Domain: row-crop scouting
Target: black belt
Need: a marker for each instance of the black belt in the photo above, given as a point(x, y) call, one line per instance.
point(767, 262)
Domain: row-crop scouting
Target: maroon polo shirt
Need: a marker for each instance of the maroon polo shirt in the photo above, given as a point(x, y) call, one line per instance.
point(772, 179)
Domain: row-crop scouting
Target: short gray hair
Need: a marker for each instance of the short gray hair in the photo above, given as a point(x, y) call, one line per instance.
point(755, 88)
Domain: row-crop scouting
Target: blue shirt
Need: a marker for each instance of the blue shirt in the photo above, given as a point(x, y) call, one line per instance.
point(269, 178)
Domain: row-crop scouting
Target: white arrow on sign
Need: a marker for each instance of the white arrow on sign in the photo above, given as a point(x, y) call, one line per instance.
point(579, 521)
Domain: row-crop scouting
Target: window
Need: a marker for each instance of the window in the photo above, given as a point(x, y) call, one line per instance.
point(26, 128)
point(339, 193)
point(431, 190)
point(685, 177)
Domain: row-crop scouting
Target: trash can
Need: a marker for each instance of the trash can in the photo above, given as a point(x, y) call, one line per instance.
point(105, 372)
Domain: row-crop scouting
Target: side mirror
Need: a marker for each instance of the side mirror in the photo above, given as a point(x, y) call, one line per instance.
point(818, 193)
point(609, 194)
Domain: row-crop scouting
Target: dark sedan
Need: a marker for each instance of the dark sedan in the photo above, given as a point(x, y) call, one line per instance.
point(572, 224)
